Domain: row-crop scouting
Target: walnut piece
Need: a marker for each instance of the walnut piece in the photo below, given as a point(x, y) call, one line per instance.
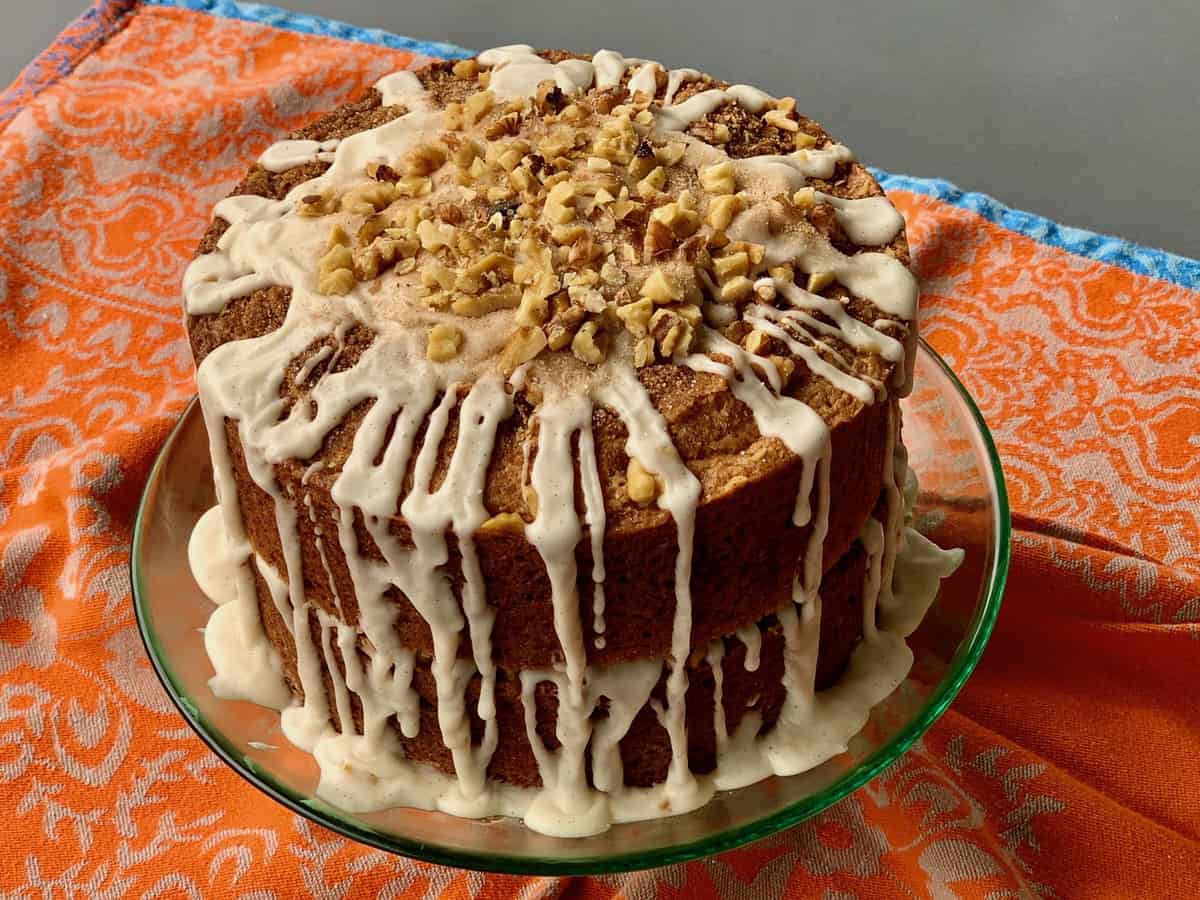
point(445, 340)
point(642, 487)
point(524, 345)
point(590, 345)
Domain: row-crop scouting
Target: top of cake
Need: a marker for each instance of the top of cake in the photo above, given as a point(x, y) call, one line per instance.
point(554, 223)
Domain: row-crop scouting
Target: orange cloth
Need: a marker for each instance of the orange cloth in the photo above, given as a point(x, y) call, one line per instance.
point(1069, 765)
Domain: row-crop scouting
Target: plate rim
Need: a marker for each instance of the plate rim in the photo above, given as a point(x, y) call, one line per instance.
point(325, 815)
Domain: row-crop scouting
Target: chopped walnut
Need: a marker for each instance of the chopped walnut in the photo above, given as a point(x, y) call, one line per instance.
point(804, 198)
point(722, 211)
point(381, 171)
point(719, 178)
point(369, 198)
point(660, 288)
point(445, 340)
point(642, 487)
point(549, 96)
point(818, 281)
point(465, 68)
point(653, 183)
point(563, 325)
point(786, 366)
point(506, 296)
point(780, 120)
point(636, 316)
point(476, 106)
point(735, 289)
point(671, 332)
point(643, 351)
point(504, 523)
point(590, 345)
point(757, 342)
point(313, 205)
point(670, 154)
point(335, 281)
point(732, 265)
point(524, 345)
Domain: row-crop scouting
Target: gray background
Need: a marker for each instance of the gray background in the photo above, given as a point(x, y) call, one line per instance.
point(1086, 111)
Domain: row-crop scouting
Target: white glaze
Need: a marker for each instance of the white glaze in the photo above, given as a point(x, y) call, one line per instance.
point(284, 155)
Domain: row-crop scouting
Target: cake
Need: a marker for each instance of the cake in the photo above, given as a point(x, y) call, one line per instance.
point(553, 411)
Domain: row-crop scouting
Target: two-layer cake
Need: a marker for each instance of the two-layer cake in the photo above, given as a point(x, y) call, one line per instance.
point(553, 413)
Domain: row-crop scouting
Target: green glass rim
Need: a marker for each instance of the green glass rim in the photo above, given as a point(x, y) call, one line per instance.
point(311, 808)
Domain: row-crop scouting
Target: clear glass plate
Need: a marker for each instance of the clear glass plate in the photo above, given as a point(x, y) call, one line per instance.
point(962, 504)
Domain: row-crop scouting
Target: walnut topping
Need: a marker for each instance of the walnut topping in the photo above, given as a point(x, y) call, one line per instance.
point(671, 154)
point(642, 487)
point(574, 214)
point(672, 333)
point(381, 171)
point(732, 265)
point(736, 289)
point(477, 106)
point(524, 345)
point(445, 340)
point(563, 325)
point(719, 178)
point(590, 344)
point(818, 281)
point(804, 198)
point(653, 183)
point(757, 342)
point(335, 273)
point(786, 366)
point(636, 316)
point(779, 119)
point(550, 96)
point(474, 305)
point(316, 205)
point(369, 198)
point(643, 352)
point(722, 210)
point(504, 523)
point(660, 288)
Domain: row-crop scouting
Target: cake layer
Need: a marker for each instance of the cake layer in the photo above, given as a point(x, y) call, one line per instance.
point(751, 665)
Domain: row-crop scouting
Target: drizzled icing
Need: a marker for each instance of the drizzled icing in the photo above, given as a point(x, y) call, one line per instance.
point(286, 155)
point(268, 243)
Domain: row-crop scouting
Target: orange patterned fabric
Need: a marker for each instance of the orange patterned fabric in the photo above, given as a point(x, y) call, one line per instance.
point(1067, 767)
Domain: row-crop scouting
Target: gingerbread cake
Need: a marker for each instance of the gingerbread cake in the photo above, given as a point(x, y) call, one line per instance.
point(553, 409)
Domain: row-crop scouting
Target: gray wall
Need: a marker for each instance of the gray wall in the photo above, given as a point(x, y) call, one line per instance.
point(1082, 110)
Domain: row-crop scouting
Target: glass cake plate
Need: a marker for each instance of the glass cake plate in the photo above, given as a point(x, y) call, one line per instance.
point(962, 503)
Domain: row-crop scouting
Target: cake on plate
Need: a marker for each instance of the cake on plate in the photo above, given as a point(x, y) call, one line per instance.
point(553, 411)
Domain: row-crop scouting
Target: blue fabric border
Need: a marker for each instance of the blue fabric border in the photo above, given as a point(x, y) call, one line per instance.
point(1103, 248)
point(310, 24)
